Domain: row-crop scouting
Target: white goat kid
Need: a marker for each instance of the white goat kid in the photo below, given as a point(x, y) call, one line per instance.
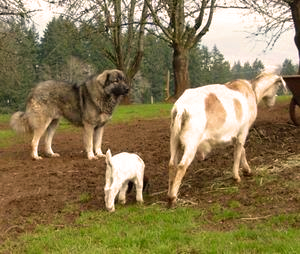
point(205, 117)
point(120, 169)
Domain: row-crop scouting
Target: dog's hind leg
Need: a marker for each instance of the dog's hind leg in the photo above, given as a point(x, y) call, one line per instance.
point(98, 134)
point(49, 136)
point(37, 134)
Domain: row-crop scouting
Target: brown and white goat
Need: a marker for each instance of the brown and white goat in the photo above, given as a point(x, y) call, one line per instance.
point(212, 115)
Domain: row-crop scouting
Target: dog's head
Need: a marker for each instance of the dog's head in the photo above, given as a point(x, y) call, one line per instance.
point(113, 82)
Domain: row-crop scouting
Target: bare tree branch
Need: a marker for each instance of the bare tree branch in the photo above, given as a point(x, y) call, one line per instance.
point(13, 9)
point(276, 15)
point(124, 23)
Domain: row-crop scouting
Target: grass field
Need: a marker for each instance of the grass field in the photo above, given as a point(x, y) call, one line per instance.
point(123, 113)
point(153, 228)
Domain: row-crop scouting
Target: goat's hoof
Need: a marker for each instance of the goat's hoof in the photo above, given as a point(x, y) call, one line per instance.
point(111, 210)
point(247, 174)
point(52, 155)
point(171, 202)
point(37, 158)
point(92, 158)
point(122, 202)
point(238, 180)
point(140, 204)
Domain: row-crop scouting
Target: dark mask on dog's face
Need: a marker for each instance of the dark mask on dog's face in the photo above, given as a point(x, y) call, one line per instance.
point(120, 90)
point(116, 84)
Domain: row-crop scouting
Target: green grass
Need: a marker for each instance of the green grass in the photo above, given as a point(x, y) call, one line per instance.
point(4, 118)
point(152, 229)
point(7, 138)
point(128, 113)
point(283, 98)
point(122, 114)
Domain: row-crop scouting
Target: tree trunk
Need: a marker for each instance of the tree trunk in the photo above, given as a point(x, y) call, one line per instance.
point(295, 8)
point(126, 100)
point(180, 69)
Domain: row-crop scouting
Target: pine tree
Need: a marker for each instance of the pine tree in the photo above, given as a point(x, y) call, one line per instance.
point(288, 68)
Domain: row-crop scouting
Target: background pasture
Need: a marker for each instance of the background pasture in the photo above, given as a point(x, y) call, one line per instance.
point(56, 205)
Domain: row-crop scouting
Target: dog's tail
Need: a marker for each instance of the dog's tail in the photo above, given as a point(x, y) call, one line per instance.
point(19, 122)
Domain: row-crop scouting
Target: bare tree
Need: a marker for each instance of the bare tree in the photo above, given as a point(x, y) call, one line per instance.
point(124, 26)
point(183, 24)
point(13, 9)
point(279, 16)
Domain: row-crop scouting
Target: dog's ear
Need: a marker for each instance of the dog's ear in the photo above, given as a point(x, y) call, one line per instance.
point(103, 77)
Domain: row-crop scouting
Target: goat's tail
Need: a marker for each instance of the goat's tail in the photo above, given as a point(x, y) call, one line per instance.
point(179, 116)
point(19, 122)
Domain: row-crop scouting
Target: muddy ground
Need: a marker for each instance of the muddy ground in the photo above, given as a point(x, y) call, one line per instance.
point(33, 192)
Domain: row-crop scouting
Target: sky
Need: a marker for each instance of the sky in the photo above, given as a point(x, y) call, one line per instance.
point(229, 32)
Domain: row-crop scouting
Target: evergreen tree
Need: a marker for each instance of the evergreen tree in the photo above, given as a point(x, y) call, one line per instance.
point(257, 68)
point(156, 63)
point(141, 92)
point(95, 46)
point(199, 67)
point(247, 71)
point(220, 68)
point(28, 62)
point(58, 44)
point(236, 70)
point(18, 62)
point(288, 68)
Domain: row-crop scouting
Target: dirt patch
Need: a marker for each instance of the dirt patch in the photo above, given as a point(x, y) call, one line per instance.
point(33, 192)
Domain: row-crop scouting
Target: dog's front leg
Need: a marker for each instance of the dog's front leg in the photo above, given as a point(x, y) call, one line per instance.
point(88, 140)
point(98, 134)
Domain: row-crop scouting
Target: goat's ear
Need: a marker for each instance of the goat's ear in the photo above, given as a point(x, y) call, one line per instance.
point(283, 84)
point(108, 157)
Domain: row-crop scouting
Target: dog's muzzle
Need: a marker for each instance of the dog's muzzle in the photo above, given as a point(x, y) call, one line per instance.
point(120, 90)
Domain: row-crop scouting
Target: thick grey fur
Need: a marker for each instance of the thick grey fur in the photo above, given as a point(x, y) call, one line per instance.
point(90, 105)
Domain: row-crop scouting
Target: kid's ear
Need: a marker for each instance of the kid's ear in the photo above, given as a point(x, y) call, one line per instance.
point(108, 157)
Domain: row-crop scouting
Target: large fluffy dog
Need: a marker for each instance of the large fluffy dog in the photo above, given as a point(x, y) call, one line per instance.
point(90, 105)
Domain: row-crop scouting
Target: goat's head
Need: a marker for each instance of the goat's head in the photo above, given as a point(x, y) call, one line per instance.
point(270, 97)
point(266, 87)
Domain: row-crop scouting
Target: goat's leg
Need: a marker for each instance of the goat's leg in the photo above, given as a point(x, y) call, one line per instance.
point(122, 193)
point(174, 149)
point(237, 158)
point(186, 160)
point(49, 136)
point(106, 195)
point(139, 189)
point(245, 164)
point(172, 174)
